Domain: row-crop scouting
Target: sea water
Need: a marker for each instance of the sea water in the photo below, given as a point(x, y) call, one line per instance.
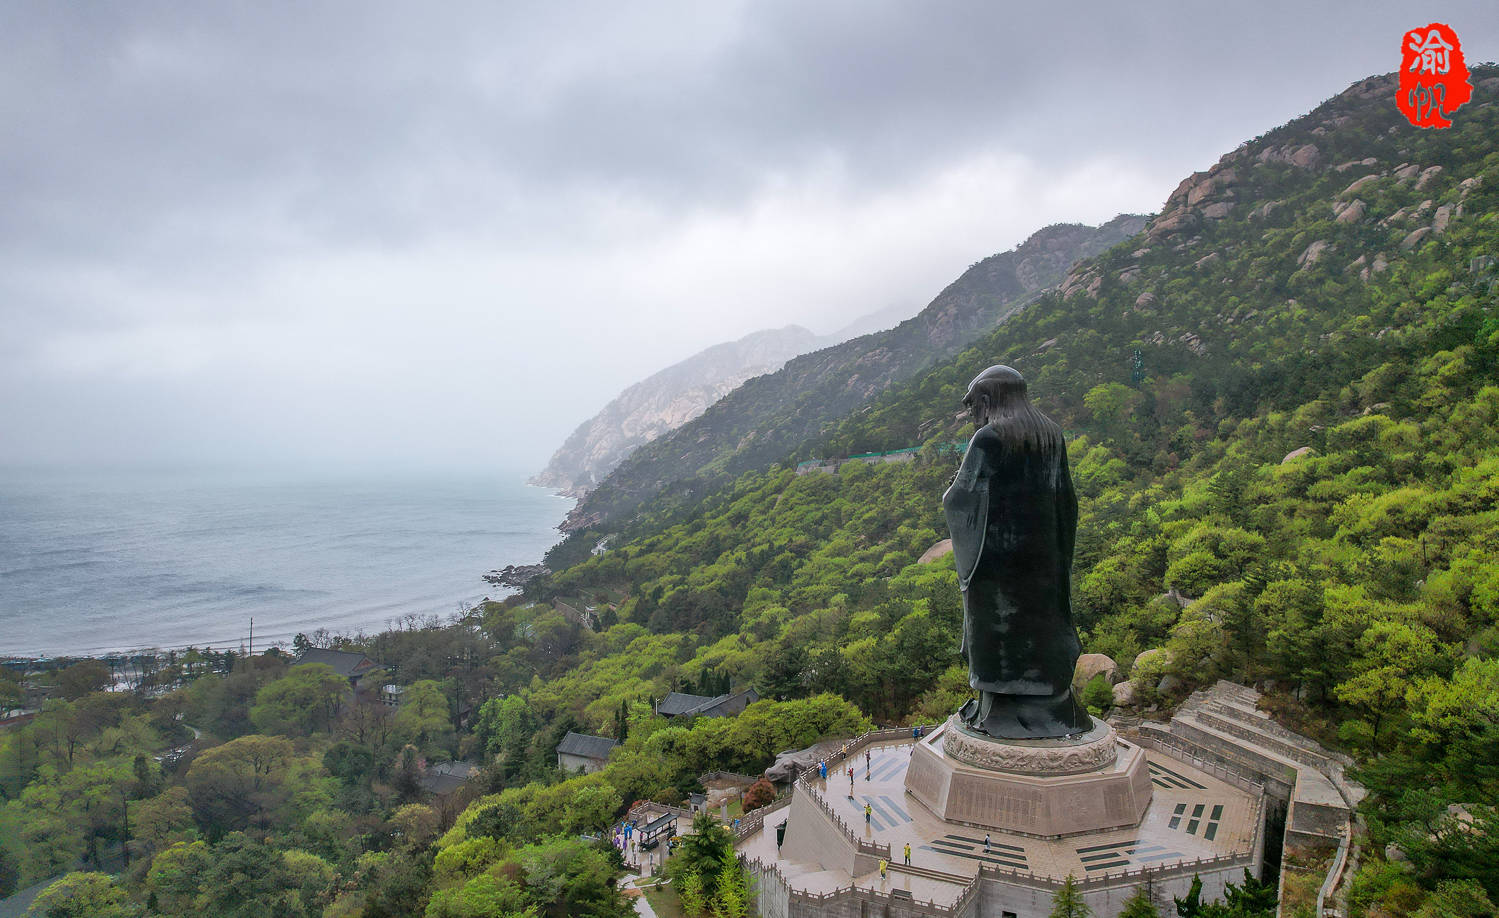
point(96, 563)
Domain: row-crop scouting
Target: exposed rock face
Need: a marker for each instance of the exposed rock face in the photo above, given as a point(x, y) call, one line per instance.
point(1296, 454)
point(1414, 239)
point(1442, 219)
point(1091, 664)
point(941, 549)
point(665, 401)
point(768, 416)
point(1353, 213)
point(1314, 252)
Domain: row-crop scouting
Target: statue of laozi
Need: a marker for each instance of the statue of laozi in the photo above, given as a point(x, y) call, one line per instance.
point(1013, 516)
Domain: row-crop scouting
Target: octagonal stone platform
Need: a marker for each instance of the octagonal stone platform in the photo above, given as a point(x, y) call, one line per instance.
point(1041, 788)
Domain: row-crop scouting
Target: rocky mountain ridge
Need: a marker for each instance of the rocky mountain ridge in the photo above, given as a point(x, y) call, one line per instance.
point(769, 416)
point(664, 401)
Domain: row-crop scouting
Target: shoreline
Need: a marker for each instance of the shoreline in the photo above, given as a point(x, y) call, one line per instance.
point(367, 613)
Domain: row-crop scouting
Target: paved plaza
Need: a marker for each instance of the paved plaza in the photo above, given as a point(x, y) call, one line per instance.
point(1192, 816)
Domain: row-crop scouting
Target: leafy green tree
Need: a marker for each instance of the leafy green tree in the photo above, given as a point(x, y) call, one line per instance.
point(706, 852)
point(689, 887)
point(159, 822)
point(10, 873)
point(84, 895)
point(570, 877)
point(484, 896)
point(175, 878)
point(1190, 906)
point(731, 900)
point(243, 782)
point(1068, 901)
point(248, 878)
point(592, 808)
point(424, 719)
point(83, 678)
point(304, 701)
point(1098, 695)
point(1251, 899)
point(505, 728)
point(1393, 655)
point(1140, 905)
point(1457, 899)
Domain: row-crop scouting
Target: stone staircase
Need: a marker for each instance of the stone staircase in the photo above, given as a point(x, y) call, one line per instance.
point(1223, 724)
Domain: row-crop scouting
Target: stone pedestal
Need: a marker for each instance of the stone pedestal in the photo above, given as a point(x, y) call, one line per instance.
point(1045, 788)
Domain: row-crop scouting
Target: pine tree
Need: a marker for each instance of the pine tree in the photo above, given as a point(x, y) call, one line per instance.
point(1068, 902)
point(1140, 906)
point(1191, 906)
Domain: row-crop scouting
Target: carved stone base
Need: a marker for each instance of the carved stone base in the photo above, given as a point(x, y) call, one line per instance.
point(1091, 751)
point(1030, 787)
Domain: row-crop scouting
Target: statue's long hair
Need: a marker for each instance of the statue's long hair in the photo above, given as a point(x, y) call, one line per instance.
point(1011, 413)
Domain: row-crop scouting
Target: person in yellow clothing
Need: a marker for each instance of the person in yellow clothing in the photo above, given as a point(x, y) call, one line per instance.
point(867, 813)
point(883, 864)
point(908, 854)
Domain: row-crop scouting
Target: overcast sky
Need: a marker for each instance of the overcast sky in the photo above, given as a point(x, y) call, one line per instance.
point(368, 235)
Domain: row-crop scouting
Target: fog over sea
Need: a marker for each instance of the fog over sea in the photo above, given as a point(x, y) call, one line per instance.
point(90, 564)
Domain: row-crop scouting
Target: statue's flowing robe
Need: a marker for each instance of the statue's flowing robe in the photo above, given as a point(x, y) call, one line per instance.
point(1013, 516)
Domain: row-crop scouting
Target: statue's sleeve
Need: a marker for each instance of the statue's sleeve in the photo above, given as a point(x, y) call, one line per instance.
point(966, 505)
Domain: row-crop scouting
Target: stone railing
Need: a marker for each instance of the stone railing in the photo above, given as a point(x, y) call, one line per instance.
point(1244, 778)
point(1264, 738)
point(857, 744)
point(860, 845)
point(910, 905)
point(726, 776)
point(809, 778)
point(663, 807)
point(970, 888)
point(754, 820)
point(1124, 877)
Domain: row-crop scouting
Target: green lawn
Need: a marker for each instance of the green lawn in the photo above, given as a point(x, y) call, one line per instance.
point(664, 901)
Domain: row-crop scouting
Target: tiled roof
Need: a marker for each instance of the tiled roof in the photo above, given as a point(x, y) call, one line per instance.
point(343, 662)
point(680, 703)
point(586, 747)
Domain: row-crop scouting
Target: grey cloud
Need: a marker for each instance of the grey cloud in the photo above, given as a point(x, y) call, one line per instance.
point(171, 169)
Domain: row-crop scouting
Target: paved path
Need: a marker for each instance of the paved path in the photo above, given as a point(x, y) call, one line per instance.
point(642, 907)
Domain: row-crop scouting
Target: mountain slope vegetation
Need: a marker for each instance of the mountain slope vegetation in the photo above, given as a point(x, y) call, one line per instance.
point(768, 416)
point(1282, 401)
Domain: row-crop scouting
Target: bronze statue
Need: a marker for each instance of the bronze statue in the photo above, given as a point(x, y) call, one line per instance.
point(1013, 516)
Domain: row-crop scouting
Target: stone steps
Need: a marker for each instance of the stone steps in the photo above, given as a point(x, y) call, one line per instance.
point(1232, 748)
point(1278, 783)
point(1310, 784)
point(1254, 733)
point(1252, 716)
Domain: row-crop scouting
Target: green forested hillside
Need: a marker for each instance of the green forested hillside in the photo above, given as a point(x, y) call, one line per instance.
point(1330, 286)
point(1282, 400)
point(763, 420)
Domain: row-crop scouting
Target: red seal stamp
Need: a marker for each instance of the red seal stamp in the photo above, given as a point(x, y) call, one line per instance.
point(1433, 78)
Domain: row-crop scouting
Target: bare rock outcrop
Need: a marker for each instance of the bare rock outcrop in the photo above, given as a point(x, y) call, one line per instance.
point(1090, 665)
point(1353, 213)
point(1415, 238)
point(1314, 252)
point(939, 550)
point(1440, 221)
